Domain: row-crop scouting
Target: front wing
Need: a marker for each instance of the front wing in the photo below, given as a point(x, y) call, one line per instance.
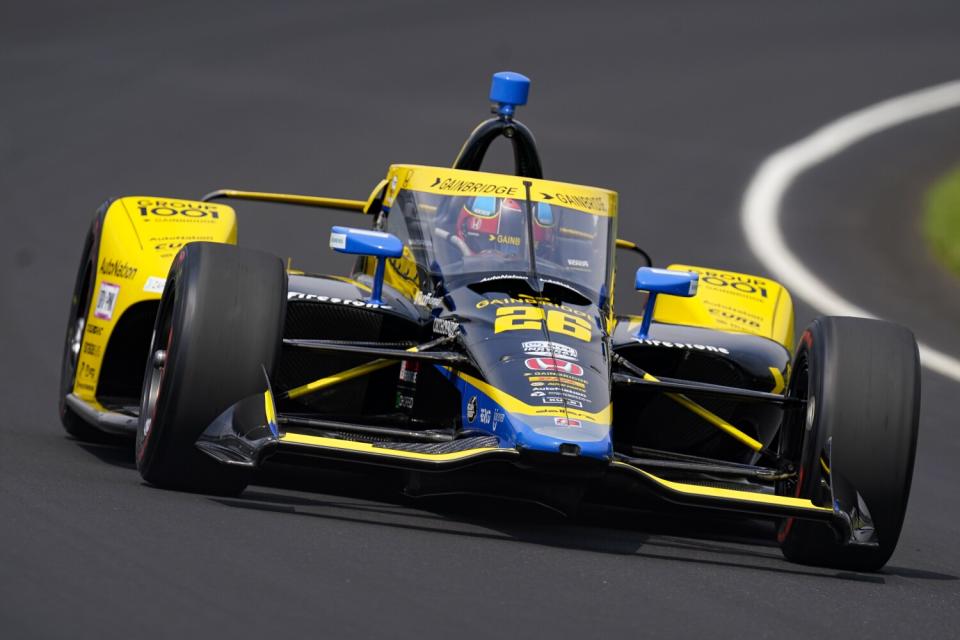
point(248, 433)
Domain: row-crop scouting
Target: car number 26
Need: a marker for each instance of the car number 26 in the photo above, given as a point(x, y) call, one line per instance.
point(532, 318)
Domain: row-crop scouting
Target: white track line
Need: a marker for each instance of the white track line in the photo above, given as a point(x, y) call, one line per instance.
point(760, 210)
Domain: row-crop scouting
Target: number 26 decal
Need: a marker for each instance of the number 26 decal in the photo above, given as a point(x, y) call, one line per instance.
point(532, 318)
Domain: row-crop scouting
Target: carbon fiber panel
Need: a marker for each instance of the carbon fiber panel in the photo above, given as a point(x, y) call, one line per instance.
point(476, 442)
point(307, 319)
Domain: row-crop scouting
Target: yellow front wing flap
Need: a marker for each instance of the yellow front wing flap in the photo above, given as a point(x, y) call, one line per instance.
point(383, 452)
point(745, 497)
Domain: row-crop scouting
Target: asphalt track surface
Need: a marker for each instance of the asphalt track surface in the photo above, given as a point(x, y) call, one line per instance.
point(673, 104)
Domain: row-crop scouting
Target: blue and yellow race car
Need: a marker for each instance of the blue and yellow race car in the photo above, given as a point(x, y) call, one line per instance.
point(476, 348)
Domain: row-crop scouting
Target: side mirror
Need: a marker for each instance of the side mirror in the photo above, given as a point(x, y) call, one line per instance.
point(666, 281)
point(364, 242)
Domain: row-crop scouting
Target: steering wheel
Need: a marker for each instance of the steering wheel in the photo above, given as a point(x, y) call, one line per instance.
point(456, 241)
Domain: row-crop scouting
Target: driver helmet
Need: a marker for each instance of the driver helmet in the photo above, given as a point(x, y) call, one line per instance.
point(497, 225)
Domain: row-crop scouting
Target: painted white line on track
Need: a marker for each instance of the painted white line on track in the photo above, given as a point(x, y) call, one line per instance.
point(760, 210)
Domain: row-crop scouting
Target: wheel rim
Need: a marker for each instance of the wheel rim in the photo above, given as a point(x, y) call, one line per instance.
point(153, 377)
point(151, 391)
point(74, 340)
point(790, 446)
point(796, 423)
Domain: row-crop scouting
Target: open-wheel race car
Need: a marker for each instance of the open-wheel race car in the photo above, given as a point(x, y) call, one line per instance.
point(475, 348)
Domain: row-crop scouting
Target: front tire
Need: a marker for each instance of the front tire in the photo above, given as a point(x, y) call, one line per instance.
point(219, 327)
point(861, 381)
point(76, 328)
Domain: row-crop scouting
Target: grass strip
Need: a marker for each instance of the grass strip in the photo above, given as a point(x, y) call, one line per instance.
point(941, 219)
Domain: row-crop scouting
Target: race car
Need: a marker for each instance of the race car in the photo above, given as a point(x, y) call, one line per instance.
point(476, 349)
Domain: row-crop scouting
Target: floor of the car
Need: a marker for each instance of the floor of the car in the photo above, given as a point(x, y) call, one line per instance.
point(126, 406)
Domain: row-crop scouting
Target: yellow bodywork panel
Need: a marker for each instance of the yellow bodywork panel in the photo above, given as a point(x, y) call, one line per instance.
point(140, 235)
point(400, 273)
point(731, 301)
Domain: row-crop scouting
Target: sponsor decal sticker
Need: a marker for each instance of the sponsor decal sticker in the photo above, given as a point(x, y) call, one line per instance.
point(501, 276)
point(730, 316)
point(404, 401)
point(169, 244)
point(734, 282)
point(426, 300)
point(192, 211)
point(471, 409)
point(684, 345)
point(553, 380)
point(587, 203)
point(503, 239)
point(469, 186)
point(445, 327)
point(525, 299)
point(117, 269)
point(566, 422)
point(553, 364)
point(552, 349)
point(338, 241)
point(106, 300)
point(364, 304)
point(409, 370)
point(154, 284)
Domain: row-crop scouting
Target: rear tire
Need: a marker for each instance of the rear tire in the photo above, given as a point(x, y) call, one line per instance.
point(219, 327)
point(861, 380)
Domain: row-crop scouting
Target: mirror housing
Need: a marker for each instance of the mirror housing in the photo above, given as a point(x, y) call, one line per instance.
point(665, 281)
point(365, 242)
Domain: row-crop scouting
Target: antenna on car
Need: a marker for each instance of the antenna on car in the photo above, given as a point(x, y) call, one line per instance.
point(508, 90)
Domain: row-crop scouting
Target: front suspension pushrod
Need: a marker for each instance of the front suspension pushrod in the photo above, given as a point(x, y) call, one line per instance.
point(696, 408)
point(355, 372)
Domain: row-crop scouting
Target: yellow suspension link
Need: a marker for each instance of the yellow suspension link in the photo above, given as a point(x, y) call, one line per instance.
point(711, 417)
point(343, 376)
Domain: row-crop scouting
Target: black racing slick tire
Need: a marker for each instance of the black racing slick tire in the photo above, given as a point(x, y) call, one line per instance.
point(76, 327)
point(219, 327)
point(860, 379)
